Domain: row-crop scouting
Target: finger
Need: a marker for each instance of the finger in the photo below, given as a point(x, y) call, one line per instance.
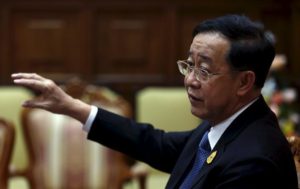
point(32, 104)
point(28, 104)
point(33, 76)
point(30, 83)
point(27, 76)
point(41, 104)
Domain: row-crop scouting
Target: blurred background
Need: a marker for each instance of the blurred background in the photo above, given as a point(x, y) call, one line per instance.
point(130, 47)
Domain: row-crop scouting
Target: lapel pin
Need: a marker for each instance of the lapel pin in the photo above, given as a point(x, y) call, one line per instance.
point(211, 157)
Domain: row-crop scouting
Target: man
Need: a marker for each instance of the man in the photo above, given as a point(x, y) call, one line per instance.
point(240, 143)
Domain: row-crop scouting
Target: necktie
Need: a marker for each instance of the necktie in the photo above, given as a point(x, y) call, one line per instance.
point(202, 154)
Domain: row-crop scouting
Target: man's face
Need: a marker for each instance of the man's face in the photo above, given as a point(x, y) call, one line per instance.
point(214, 99)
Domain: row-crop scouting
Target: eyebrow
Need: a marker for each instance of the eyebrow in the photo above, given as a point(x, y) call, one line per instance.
point(206, 58)
point(201, 56)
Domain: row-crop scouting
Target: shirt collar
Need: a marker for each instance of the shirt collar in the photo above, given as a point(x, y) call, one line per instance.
point(216, 131)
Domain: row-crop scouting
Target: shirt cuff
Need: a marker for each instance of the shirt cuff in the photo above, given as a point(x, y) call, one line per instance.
point(88, 124)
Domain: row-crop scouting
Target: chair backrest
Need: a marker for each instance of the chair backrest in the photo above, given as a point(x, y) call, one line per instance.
point(166, 108)
point(11, 98)
point(294, 142)
point(60, 156)
point(7, 134)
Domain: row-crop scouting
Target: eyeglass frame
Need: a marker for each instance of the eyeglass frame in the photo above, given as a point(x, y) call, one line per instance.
point(197, 71)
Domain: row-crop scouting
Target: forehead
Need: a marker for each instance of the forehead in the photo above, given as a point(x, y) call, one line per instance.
point(209, 45)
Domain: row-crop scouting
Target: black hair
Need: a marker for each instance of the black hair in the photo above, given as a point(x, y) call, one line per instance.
point(252, 48)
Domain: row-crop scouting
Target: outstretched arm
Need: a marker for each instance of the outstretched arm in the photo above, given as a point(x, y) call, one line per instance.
point(51, 97)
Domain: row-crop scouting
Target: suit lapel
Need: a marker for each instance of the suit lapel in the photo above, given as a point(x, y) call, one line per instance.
point(252, 113)
point(256, 110)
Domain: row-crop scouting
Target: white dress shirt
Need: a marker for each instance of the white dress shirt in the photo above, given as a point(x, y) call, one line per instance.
point(216, 131)
point(88, 124)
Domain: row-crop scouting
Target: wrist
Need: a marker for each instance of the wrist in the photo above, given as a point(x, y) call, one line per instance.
point(79, 110)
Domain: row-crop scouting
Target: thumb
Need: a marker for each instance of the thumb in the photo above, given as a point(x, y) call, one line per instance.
point(30, 104)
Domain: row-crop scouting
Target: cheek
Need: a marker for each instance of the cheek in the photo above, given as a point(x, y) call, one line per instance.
point(185, 82)
point(220, 97)
point(215, 96)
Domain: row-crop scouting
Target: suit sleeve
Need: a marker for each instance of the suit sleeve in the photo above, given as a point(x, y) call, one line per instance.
point(140, 141)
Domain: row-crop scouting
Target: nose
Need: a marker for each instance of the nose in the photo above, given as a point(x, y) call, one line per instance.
point(190, 80)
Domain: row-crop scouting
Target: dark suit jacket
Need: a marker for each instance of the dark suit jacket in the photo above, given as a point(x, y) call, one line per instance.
point(251, 154)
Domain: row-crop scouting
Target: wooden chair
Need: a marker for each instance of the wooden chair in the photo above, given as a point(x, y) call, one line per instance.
point(294, 142)
point(60, 156)
point(11, 98)
point(7, 134)
point(167, 108)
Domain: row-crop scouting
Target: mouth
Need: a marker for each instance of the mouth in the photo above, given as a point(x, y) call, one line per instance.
point(193, 98)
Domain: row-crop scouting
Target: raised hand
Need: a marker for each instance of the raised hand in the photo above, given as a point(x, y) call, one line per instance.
point(51, 97)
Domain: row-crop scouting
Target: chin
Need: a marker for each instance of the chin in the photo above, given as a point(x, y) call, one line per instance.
point(197, 113)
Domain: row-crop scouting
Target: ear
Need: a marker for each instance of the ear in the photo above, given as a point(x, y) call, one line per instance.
point(246, 82)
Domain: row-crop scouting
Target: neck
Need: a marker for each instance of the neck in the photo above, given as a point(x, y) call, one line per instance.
point(240, 103)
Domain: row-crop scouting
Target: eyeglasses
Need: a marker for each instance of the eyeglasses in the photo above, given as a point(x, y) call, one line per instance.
point(201, 74)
